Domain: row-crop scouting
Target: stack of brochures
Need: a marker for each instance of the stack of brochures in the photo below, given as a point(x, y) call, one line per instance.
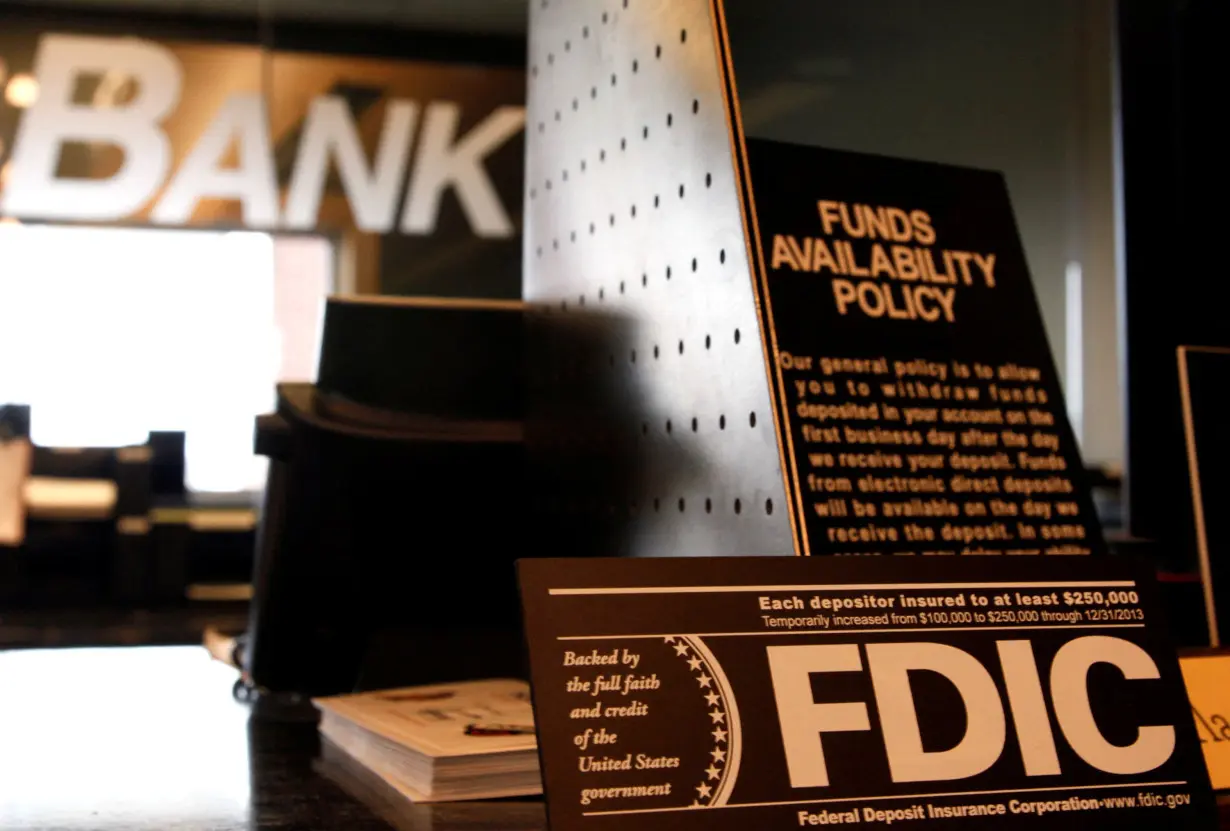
point(469, 740)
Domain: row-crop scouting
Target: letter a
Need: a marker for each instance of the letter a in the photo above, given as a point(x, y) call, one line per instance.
point(253, 183)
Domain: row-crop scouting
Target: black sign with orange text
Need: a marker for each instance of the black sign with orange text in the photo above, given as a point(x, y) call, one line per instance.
point(920, 409)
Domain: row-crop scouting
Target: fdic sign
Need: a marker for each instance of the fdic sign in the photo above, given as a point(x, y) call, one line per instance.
point(735, 693)
point(168, 166)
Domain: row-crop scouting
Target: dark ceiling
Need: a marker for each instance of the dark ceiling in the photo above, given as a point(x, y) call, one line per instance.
point(487, 17)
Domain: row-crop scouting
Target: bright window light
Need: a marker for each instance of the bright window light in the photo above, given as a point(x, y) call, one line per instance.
point(110, 333)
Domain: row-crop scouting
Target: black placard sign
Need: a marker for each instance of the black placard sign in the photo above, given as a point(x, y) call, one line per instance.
point(918, 404)
point(1204, 381)
point(780, 693)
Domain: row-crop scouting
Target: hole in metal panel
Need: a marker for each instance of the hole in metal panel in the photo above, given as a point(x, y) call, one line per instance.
point(695, 147)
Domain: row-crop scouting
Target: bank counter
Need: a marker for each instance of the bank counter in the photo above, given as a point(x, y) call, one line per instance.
point(151, 739)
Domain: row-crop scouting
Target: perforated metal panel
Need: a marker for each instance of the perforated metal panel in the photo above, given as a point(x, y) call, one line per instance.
point(652, 428)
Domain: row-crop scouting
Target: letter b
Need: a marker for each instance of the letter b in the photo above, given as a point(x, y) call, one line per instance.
point(33, 190)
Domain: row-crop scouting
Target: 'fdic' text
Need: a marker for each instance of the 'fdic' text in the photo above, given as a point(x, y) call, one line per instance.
point(892, 270)
point(987, 718)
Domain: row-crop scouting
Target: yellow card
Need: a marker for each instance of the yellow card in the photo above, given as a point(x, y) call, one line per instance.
point(1208, 687)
